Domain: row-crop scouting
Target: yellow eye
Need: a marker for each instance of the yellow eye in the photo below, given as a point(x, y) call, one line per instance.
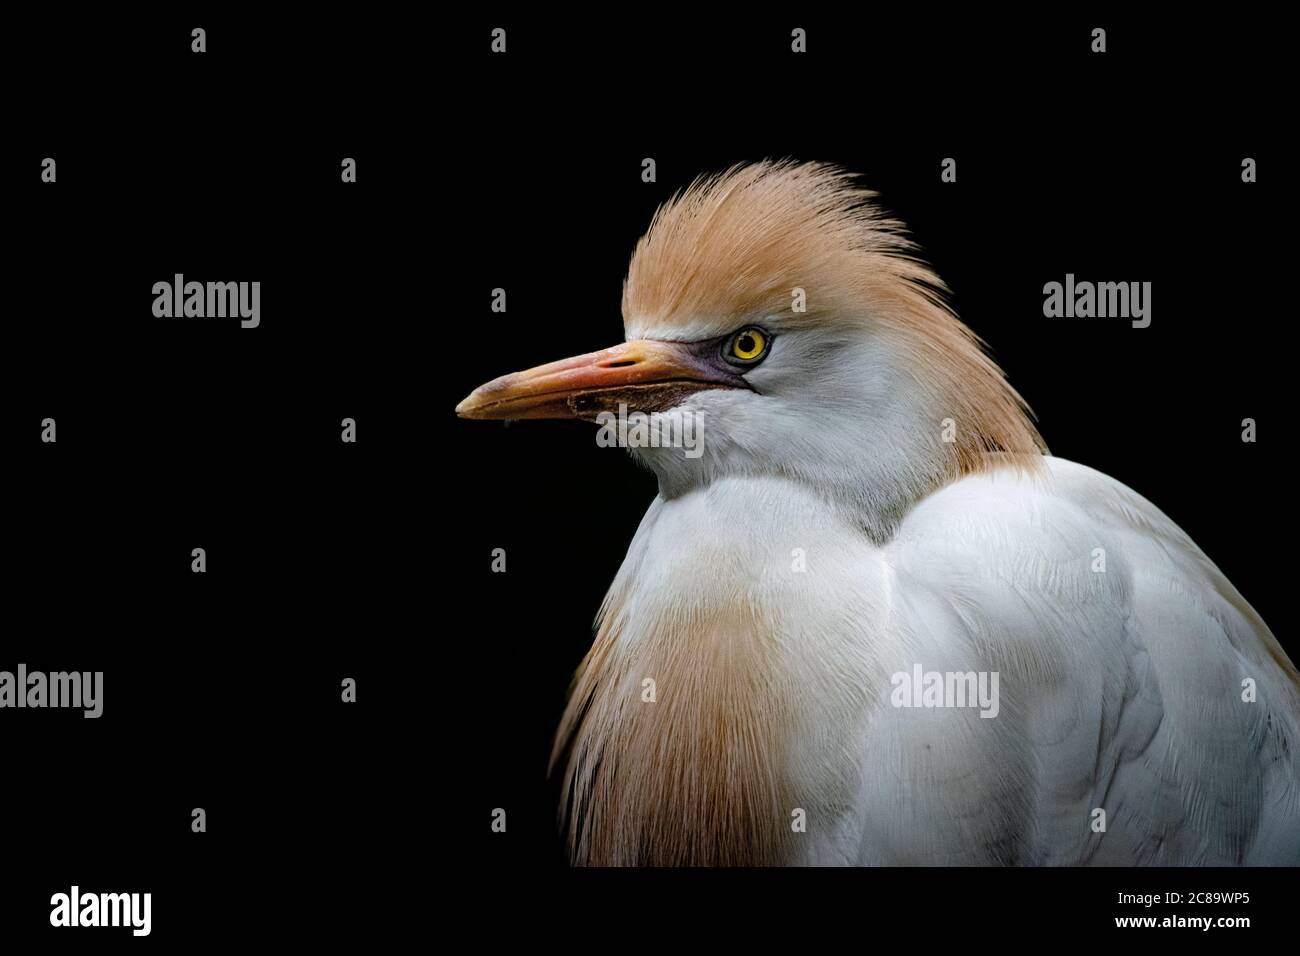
point(747, 345)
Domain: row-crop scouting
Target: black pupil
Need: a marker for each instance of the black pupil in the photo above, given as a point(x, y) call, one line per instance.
point(747, 343)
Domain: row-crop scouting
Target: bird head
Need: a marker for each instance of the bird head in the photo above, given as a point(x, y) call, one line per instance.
point(776, 312)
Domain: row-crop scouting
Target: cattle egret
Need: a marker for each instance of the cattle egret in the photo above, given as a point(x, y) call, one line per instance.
point(883, 624)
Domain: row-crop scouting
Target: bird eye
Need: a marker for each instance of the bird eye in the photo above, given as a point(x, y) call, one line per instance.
point(746, 347)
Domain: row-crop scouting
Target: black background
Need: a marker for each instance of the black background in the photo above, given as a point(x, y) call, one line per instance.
point(221, 690)
point(372, 560)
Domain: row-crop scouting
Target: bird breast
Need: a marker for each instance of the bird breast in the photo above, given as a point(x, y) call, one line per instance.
point(729, 680)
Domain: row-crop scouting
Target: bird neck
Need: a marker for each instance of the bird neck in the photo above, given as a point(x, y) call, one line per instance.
point(897, 415)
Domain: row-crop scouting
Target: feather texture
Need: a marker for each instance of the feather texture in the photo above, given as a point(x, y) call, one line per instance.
point(1120, 690)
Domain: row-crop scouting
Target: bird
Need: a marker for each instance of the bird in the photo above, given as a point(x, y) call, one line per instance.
point(875, 621)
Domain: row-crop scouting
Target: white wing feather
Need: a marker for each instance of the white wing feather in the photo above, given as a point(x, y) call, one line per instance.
point(1121, 690)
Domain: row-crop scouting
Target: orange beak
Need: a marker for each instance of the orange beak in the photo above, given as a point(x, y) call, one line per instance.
point(645, 375)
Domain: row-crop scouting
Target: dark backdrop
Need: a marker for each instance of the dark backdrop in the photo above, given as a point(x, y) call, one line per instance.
point(222, 690)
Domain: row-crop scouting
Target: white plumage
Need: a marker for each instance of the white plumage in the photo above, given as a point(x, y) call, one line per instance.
point(832, 538)
point(1118, 690)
